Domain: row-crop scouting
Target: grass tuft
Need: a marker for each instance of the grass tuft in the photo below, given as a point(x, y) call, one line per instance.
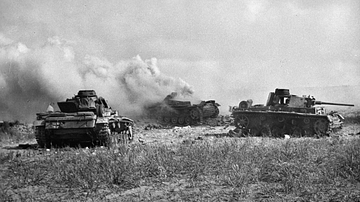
point(296, 169)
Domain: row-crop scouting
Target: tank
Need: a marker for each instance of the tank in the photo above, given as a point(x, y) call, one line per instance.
point(285, 113)
point(84, 118)
point(175, 112)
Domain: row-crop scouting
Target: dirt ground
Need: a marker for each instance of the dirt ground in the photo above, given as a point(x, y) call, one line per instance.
point(146, 134)
point(173, 190)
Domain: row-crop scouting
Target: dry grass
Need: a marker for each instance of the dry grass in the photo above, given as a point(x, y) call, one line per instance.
point(216, 169)
point(188, 164)
point(15, 133)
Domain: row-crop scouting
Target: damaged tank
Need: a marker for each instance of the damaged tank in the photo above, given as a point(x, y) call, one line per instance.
point(175, 112)
point(84, 118)
point(286, 114)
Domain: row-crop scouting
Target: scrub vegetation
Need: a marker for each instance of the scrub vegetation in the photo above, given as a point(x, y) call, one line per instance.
point(199, 168)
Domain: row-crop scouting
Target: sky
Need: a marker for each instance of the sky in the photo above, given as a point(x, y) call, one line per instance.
point(136, 52)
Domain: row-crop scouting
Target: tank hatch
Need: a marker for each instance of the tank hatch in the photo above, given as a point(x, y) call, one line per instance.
point(87, 93)
point(67, 107)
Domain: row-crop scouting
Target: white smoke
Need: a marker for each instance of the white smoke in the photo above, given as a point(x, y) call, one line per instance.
point(30, 79)
point(142, 82)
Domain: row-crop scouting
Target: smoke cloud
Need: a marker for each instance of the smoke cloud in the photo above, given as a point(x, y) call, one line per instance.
point(226, 50)
point(30, 79)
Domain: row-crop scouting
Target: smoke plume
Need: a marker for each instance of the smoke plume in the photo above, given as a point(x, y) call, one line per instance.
point(30, 79)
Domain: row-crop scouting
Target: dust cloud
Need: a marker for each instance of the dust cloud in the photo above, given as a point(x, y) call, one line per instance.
point(31, 79)
point(231, 51)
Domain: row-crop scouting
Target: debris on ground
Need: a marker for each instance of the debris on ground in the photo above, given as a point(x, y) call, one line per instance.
point(153, 126)
point(28, 146)
point(181, 129)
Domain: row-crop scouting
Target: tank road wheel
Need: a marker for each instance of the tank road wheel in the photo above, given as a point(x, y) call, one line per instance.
point(321, 127)
point(195, 114)
point(159, 119)
point(306, 120)
point(307, 132)
point(130, 134)
point(265, 131)
point(276, 131)
point(111, 139)
point(187, 121)
point(281, 119)
point(296, 131)
point(254, 132)
point(115, 139)
point(181, 120)
point(121, 138)
point(216, 113)
point(241, 121)
point(174, 120)
point(166, 119)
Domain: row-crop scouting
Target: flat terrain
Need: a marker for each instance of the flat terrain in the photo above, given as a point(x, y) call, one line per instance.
point(200, 163)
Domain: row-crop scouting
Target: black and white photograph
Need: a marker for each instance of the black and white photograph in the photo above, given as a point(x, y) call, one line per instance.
point(179, 100)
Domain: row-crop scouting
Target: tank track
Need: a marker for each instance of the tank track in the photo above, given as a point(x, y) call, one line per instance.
point(277, 125)
point(183, 116)
point(41, 137)
point(118, 135)
point(116, 139)
point(186, 117)
point(178, 120)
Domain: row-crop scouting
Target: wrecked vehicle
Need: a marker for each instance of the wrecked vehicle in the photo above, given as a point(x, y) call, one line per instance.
point(286, 114)
point(174, 112)
point(84, 118)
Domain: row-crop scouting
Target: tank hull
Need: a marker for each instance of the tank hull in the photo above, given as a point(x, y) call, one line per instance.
point(74, 128)
point(285, 113)
point(59, 137)
point(82, 119)
point(182, 115)
point(170, 115)
point(279, 123)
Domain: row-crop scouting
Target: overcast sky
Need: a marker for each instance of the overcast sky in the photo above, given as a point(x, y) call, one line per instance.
point(221, 50)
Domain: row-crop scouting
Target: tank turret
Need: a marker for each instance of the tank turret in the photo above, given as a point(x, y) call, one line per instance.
point(283, 98)
point(85, 100)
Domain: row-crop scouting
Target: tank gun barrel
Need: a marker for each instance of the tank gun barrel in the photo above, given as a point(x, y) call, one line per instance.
point(332, 103)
